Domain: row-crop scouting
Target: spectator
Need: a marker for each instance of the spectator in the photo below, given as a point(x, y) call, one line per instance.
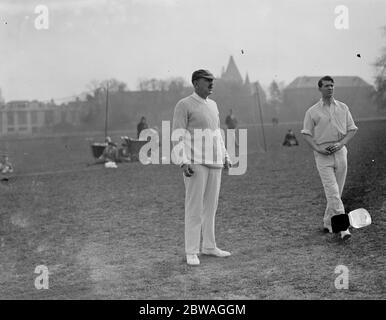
point(6, 165)
point(290, 139)
point(230, 120)
point(231, 123)
point(142, 125)
point(110, 153)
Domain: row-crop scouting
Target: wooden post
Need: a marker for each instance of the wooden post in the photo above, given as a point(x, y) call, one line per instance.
point(107, 109)
point(258, 102)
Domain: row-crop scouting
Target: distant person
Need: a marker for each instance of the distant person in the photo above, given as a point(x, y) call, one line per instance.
point(290, 139)
point(110, 153)
point(230, 120)
point(142, 125)
point(231, 123)
point(328, 127)
point(6, 165)
point(275, 121)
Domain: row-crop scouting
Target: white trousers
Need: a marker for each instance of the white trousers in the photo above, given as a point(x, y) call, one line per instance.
point(332, 171)
point(201, 200)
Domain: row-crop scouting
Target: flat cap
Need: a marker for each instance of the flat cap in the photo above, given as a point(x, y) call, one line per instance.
point(202, 74)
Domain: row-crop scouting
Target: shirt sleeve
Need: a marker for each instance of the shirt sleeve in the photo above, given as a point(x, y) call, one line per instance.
point(222, 143)
point(180, 121)
point(308, 124)
point(350, 122)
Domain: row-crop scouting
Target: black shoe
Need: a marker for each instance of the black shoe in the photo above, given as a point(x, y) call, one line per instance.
point(340, 222)
point(346, 235)
point(326, 230)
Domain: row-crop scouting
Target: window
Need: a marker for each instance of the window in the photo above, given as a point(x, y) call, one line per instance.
point(10, 118)
point(34, 117)
point(21, 117)
point(49, 117)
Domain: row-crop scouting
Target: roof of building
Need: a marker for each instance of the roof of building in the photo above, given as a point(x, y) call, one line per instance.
point(232, 73)
point(247, 82)
point(339, 81)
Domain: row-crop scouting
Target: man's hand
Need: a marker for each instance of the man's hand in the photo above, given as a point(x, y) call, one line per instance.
point(188, 170)
point(227, 164)
point(323, 150)
point(335, 147)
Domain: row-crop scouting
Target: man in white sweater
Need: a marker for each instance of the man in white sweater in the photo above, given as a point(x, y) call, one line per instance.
point(198, 118)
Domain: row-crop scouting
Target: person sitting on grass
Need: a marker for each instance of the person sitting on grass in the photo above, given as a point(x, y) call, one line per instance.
point(6, 165)
point(290, 139)
point(110, 153)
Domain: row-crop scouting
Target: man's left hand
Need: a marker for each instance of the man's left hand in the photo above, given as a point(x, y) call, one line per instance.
point(227, 164)
point(336, 146)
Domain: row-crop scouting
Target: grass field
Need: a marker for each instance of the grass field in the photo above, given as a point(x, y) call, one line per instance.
point(118, 233)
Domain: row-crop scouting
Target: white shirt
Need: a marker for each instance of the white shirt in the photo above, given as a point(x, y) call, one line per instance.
point(328, 123)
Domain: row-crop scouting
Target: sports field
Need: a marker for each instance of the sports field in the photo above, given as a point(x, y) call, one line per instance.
point(118, 233)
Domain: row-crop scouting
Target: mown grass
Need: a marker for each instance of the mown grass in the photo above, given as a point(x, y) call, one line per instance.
point(118, 233)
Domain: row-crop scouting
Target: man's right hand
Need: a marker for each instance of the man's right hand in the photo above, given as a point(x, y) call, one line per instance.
point(323, 150)
point(188, 170)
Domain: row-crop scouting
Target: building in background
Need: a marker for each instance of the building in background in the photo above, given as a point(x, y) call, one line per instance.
point(232, 92)
point(29, 117)
point(303, 92)
point(232, 76)
point(155, 100)
point(231, 73)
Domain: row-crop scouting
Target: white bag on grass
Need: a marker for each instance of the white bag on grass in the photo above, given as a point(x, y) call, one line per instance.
point(359, 218)
point(110, 164)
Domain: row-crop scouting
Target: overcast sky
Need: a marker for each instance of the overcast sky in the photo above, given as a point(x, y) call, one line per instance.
point(134, 39)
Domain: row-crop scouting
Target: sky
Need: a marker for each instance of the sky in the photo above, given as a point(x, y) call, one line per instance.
point(130, 40)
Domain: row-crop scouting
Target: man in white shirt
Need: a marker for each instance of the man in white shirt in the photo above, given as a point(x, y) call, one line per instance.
point(328, 127)
point(202, 165)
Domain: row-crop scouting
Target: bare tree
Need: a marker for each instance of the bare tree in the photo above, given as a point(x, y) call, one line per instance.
point(380, 78)
point(97, 87)
point(153, 84)
point(275, 98)
point(2, 101)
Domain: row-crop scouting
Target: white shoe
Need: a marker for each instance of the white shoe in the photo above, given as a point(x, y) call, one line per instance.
point(216, 252)
point(192, 260)
point(345, 235)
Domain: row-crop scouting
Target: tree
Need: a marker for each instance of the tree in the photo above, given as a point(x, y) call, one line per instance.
point(170, 84)
point(380, 78)
point(274, 92)
point(2, 101)
point(176, 85)
point(114, 85)
point(275, 98)
point(152, 84)
point(99, 87)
